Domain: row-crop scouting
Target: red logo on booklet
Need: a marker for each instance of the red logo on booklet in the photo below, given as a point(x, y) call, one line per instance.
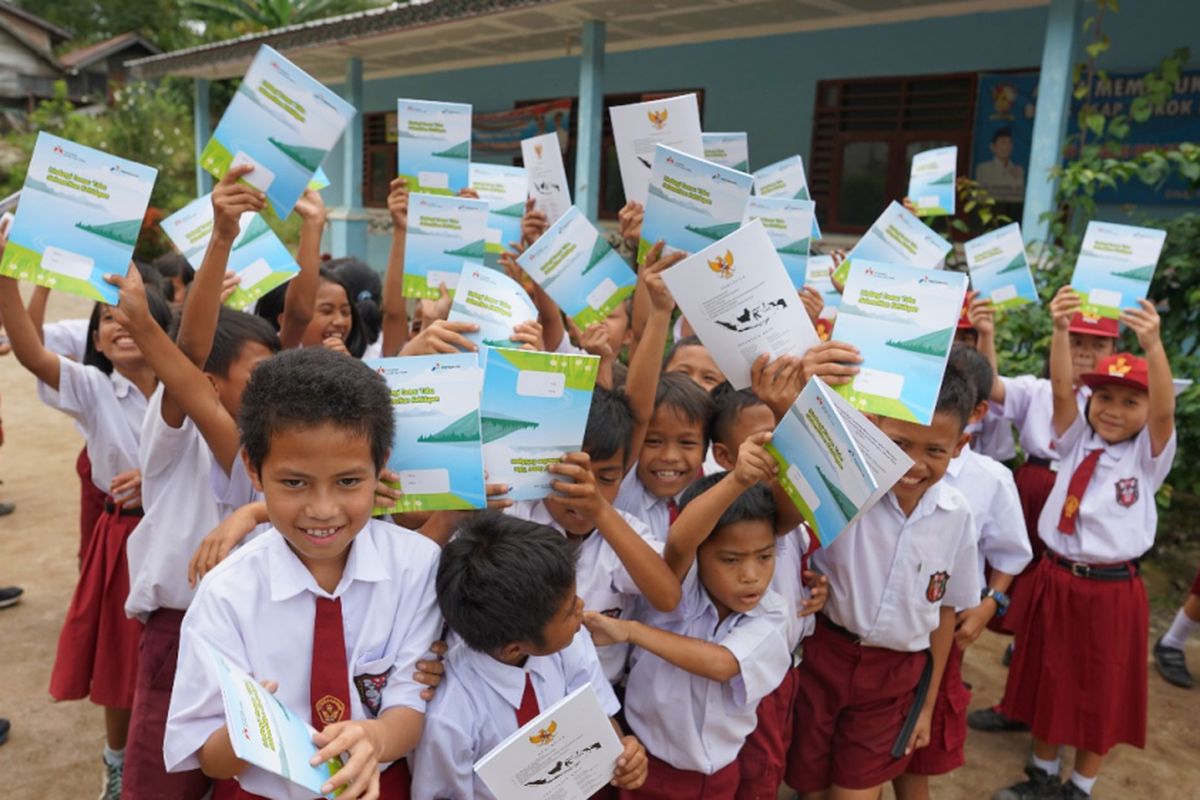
point(1127, 491)
point(937, 586)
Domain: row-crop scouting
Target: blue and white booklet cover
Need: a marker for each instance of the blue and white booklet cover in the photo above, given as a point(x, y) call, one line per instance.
point(576, 266)
point(789, 224)
point(258, 257)
point(433, 145)
point(78, 220)
point(494, 302)
point(727, 149)
point(931, 181)
point(999, 269)
point(897, 237)
point(819, 275)
point(834, 463)
point(282, 122)
point(443, 232)
point(638, 128)
point(739, 299)
point(534, 411)
point(1115, 266)
point(437, 449)
point(785, 178)
point(264, 731)
point(504, 189)
point(691, 202)
point(547, 178)
point(902, 320)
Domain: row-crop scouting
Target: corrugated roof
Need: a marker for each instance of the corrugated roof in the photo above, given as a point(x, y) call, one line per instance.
point(17, 11)
point(100, 50)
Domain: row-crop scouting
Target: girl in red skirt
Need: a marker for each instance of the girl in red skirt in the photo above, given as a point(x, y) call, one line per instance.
point(1080, 669)
point(107, 396)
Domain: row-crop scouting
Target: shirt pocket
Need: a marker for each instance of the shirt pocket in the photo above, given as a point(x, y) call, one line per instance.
point(370, 679)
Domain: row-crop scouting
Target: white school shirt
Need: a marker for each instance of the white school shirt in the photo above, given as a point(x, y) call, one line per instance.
point(635, 500)
point(1029, 405)
point(889, 575)
point(995, 436)
point(698, 724)
point(109, 410)
point(257, 608)
point(180, 510)
point(788, 583)
point(995, 505)
point(67, 337)
point(601, 580)
point(235, 489)
point(475, 709)
point(1117, 517)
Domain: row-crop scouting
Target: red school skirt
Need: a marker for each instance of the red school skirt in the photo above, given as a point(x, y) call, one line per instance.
point(98, 646)
point(395, 783)
point(91, 502)
point(1080, 669)
point(948, 728)
point(1034, 484)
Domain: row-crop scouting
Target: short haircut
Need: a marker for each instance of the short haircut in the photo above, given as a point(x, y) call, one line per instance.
point(687, 341)
point(728, 404)
point(756, 503)
point(957, 395)
point(364, 287)
point(502, 579)
point(683, 395)
point(159, 310)
point(310, 386)
point(170, 266)
point(609, 426)
point(234, 330)
point(972, 364)
point(1001, 133)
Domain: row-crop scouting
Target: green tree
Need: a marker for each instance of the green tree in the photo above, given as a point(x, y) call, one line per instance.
point(159, 21)
point(252, 15)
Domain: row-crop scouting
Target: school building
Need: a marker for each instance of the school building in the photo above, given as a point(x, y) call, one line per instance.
point(856, 87)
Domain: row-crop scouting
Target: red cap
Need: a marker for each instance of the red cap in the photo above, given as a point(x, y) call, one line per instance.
point(1094, 326)
point(964, 319)
point(824, 329)
point(1125, 369)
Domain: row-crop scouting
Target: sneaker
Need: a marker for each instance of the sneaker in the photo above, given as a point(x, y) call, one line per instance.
point(990, 720)
point(1072, 792)
point(112, 780)
point(7, 508)
point(1040, 786)
point(1172, 665)
point(9, 595)
point(5, 725)
point(1006, 659)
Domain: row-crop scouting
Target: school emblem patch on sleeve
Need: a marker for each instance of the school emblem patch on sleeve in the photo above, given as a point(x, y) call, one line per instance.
point(1127, 491)
point(937, 586)
point(370, 690)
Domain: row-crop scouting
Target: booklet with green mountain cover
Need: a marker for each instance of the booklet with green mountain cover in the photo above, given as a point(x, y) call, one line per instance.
point(902, 320)
point(283, 123)
point(691, 202)
point(443, 232)
point(899, 238)
point(433, 145)
point(785, 178)
point(79, 218)
point(999, 269)
point(834, 463)
point(639, 128)
point(494, 302)
point(727, 149)
point(437, 449)
point(534, 411)
point(931, 181)
point(1114, 268)
point(260, 260)
point(504, 189)
point(575, 265)
point(789, 225)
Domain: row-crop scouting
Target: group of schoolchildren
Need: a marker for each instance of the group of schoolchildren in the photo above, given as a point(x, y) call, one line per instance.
point(234, 463)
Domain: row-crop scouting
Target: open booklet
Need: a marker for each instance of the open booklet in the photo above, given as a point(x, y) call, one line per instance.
point(785, 178)
point(575, 265)
point(433, 145)
point(547, 178)
point(902, 320)
point(534, 411)
point(267, 733)
point(639, 127)
point(281, 121)
point(443, 232)
point(568, 752)
point(833, 462)
point(437, 449)
point(727, 149)
point(897, 237)
point(260, 260)
point(504, 189)
point(931, 181)
point(494, 302)
point(1115, 266)
point(740, 301)
point(999, 269)
point(789, 223)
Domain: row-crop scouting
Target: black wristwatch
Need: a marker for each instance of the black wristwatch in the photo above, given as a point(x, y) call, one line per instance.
point(1002, 600)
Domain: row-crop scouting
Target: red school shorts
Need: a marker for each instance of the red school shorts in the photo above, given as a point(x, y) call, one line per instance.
point(764, 755)
point(851, 704)
point(665, 782)
point(948, 729)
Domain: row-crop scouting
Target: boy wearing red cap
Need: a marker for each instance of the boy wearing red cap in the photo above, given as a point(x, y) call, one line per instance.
point(1080, 669)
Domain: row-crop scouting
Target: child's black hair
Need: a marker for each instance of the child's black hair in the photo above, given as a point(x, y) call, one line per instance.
point(159, 310)
point(270, 307)
point(682, 394)
point(365, 290)
point(502, 579)
point(754, 504)
point(609, 426)
point(728, 404)
point(234, 330)
point(310, 386)
point(171, 266)
point(687, 341)
point(974, 365)
point(957, 395)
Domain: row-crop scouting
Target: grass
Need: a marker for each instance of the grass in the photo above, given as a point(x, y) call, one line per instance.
point(26, 265)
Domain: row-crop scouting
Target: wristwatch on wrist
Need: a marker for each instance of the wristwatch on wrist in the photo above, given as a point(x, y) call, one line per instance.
point(1002, 600)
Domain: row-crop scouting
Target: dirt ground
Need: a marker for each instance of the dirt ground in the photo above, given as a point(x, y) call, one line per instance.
point(54, 749)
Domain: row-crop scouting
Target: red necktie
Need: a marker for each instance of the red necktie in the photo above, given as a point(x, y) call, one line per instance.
point(1075, 489)
point(529, 704)
point(672, 511)
point(329, 691)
